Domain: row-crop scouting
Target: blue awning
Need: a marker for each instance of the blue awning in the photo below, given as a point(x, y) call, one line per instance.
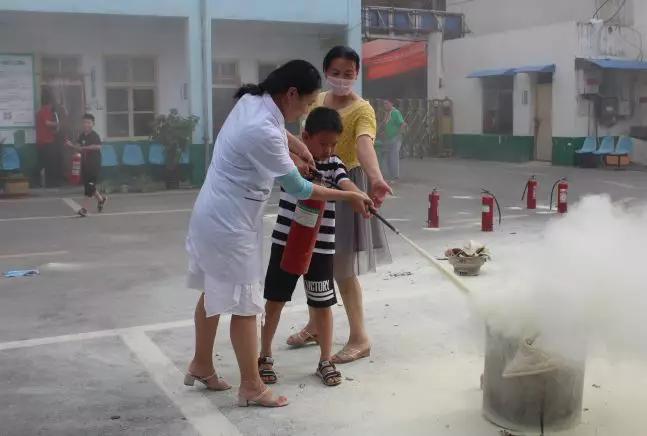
point(548, 68)
point(491, 73)
point(619, 64)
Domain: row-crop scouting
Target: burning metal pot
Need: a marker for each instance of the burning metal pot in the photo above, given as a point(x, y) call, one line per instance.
point(548, 400)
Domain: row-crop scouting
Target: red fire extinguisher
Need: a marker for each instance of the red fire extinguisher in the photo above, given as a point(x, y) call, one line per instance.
point(75, 170)
point(433, 217)
point(488, 200)
point(303, 236)
point(531, 189)
point(562, 195)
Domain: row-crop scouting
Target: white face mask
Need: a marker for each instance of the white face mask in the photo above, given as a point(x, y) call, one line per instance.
point(340, 86)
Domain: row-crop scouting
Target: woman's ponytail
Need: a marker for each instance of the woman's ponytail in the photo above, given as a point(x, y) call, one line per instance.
point(249, 88)
point(297, 74)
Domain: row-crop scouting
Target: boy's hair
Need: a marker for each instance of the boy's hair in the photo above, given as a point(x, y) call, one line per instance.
point(323, 119)
point(88, 117)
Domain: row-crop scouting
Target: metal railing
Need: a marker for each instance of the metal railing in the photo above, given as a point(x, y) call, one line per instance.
point(428, 124)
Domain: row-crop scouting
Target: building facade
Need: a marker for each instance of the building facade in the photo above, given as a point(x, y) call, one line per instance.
point(127, 61)
point(532, 79)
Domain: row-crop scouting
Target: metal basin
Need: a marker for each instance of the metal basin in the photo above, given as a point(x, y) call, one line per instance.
point(551, 401)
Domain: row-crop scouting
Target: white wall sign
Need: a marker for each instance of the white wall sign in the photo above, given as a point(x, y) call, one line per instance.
point(16, 91)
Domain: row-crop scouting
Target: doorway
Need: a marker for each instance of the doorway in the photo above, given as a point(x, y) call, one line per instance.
point(544, 122)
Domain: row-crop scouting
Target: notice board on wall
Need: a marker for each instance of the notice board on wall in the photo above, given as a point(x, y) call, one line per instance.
point(17, 92)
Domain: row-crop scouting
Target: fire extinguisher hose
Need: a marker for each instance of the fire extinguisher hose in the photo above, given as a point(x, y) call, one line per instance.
point(526, 345)
point(456, 280)
point(498, 207)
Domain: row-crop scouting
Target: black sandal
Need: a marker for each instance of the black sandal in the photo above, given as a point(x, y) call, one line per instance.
point(267, 375)
point(328, 373)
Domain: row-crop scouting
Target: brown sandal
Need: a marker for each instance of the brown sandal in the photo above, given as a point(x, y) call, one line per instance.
point(328, 373)
point(268, 375)
point(302, 338)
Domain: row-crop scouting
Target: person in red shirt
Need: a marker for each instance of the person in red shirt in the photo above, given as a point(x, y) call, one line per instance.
point(46, 126)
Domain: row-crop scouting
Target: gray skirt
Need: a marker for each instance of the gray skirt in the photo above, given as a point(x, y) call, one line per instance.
point(360, 244)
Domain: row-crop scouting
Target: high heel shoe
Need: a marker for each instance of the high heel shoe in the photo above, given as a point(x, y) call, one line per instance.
point(259, 400)
point(190, 379)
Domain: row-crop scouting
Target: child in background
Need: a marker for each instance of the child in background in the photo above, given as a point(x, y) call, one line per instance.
point(89, 145)
point(321, 133)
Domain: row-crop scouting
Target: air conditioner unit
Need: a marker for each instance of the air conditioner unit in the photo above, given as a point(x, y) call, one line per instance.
point(589, 81)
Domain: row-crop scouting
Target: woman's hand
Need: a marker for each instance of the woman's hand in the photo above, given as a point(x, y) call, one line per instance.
point(296, 146)
point(304, 168)
point(360, 203)
point(379, 190)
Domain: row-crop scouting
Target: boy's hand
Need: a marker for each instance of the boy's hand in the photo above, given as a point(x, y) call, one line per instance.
point(360, 203)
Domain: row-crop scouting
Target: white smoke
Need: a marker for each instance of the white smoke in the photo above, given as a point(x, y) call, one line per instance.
point(582, 284)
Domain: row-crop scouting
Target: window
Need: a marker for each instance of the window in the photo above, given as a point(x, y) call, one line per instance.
point(498, 105)
point(59, 66)
point(131, 96)
point(225, 81)
point(225, 73)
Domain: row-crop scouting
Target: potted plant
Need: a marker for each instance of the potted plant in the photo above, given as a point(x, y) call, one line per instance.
point(174, 133)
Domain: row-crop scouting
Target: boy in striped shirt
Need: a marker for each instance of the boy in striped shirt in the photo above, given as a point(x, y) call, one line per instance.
point(321, 133)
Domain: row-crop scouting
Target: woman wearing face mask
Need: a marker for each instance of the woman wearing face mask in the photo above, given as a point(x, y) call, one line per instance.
point(225, 241)
point(360, 244)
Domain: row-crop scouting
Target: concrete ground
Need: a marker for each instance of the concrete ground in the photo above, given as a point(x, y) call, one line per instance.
point(97, 343)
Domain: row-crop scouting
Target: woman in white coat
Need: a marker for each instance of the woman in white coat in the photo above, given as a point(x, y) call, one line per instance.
point(225, 241)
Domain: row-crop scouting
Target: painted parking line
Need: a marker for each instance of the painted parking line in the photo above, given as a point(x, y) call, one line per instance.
point(195, 406)
point(40, 253)
point(134, 212)
point(36, 218)
point(72, 204)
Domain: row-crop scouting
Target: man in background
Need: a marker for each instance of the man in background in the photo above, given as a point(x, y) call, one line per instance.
point(394, 126)
point(46, 128)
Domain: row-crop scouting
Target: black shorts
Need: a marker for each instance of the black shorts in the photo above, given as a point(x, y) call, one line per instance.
point(318, 281)
point(90, 178)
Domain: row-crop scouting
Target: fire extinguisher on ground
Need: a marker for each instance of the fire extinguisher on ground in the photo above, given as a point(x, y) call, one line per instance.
point(488, 200)
point(531, 189)
point(562, 195)
point(433, 217)
point(75, 170)
point(303, 236)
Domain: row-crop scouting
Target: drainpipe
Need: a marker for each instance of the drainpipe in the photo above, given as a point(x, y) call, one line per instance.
point(206, 86)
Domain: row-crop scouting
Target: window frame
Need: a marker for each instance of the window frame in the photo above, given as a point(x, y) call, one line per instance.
point(130, 85)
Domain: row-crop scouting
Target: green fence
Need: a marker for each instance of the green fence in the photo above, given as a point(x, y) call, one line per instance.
point(492, 147)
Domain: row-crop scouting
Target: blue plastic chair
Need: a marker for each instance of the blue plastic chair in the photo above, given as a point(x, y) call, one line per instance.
point(132, 156)
point(624, 148)
point(156, 155)
point(607, 146)
point(590, 146)
point(10, 160)
point(108, 156)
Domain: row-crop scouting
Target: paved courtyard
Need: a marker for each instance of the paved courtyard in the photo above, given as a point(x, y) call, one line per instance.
point(97, 343)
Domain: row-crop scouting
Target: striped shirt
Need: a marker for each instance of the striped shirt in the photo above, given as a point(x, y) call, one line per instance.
point(332, 169)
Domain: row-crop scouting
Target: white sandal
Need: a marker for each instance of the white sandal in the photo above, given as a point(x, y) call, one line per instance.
point(190, 379)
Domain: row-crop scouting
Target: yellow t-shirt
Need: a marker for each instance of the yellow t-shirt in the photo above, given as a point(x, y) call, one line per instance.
point(358, 119)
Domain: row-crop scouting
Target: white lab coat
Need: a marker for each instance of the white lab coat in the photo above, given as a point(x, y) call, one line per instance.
point(225, 240)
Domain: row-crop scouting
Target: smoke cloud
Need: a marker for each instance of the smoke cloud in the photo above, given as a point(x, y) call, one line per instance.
point(582, 285)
